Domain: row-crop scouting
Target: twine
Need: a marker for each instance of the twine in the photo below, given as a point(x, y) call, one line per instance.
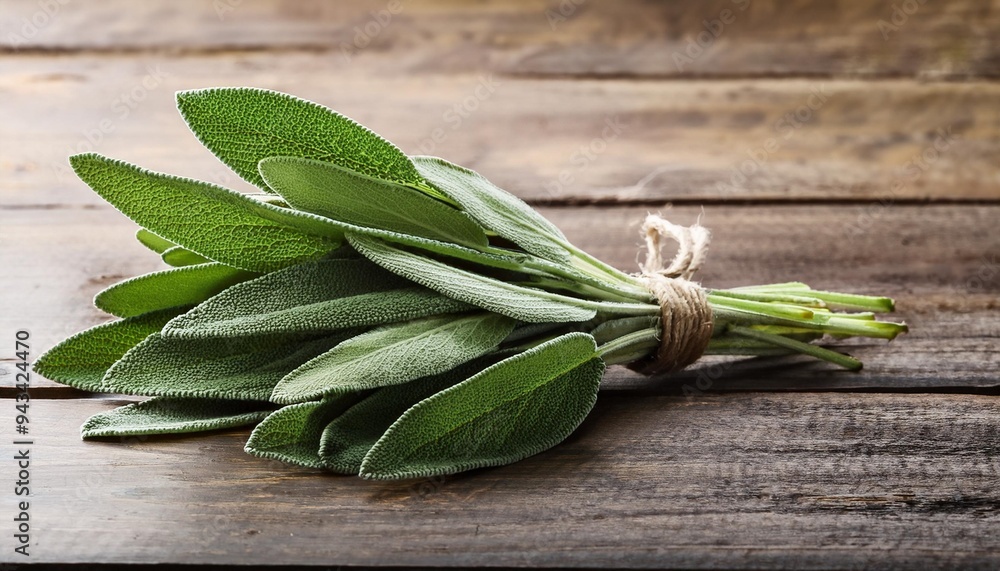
point(686, 315)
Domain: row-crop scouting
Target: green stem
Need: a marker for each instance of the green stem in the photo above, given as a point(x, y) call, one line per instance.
point(629, 292)
point(743, 312)
point(589, 263)
point(631, 347)
point(798, 346)
point(578, 288)
point(767, 297)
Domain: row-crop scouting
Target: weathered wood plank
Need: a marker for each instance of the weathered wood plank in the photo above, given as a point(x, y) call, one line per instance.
point(939, 262)
point(810, 481)
point(626, 38)
point(552, 140)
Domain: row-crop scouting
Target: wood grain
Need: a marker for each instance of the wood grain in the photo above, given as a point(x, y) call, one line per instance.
point(541, 37)
point(810, 481)
point(938, 262)
point(555, 141)
point(893, 467)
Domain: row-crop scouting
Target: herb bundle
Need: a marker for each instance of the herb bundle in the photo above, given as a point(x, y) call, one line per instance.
point(391, 316)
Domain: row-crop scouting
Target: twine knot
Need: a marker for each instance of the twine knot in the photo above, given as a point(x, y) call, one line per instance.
point(685, 313)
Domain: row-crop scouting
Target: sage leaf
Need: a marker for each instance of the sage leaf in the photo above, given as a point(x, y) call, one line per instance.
point(152, 241)
point(218, 223)
point(82, 360)
point(615, 328)
point(363, 310)
point(349, 437)
point(266, 198)
point(292, 434)
point(243, 125)
point(179, 256)
point(174, 416)
point(496, 209)
point(502, 259)
point(341, 194)
point(525, 304)
point(519, 407)
point(168, 288)
point(246, 369)
point(315, 297)
point(529, 332)
point(395, 354)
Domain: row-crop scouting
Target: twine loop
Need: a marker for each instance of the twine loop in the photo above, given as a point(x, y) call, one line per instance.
point(685, 313)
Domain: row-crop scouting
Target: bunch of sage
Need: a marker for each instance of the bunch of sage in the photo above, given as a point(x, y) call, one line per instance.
point(388, 315)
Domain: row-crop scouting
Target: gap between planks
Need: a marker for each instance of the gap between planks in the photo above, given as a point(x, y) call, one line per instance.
point(742, 481)
point(510, 73)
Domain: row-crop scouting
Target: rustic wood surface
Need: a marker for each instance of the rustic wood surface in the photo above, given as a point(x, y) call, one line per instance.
point(885, 177)
point(693, 141)
point(745, 480)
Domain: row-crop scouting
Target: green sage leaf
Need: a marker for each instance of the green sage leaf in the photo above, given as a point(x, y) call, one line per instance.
point(495, 208)
point(349, 437)
point(320, 296)
point(506, 260)
point(152, 241)
point(179, 256)
point(218, 223)
point(514, 409)
point(615, 328)
point(525, 304)
point(245, 369)
point(174, 416)
point(168, 288)
point(341, 194)
point(293, 433)
point(243, 125)
point(82, 360)
point(395, 354)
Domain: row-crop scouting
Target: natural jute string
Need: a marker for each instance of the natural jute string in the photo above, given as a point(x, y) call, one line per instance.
point(687, 317)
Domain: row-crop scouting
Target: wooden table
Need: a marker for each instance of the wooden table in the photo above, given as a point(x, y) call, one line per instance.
point(835, 143)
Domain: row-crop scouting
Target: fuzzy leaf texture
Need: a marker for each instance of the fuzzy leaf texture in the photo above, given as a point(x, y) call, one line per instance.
point(292, 434)
point(153, 242)
point(176, 287)
point(395, 354)
point(515, 301)
point(82, 360)
point(344, 195)
point(413, 318)
point(495, 208)
point(218, 223)
point(240, 369)
point(514, 409)
point(495, 258)
point(179, 257)
point(243, 126)
point(347, 439)
point(320, 296)
point(174, 416)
